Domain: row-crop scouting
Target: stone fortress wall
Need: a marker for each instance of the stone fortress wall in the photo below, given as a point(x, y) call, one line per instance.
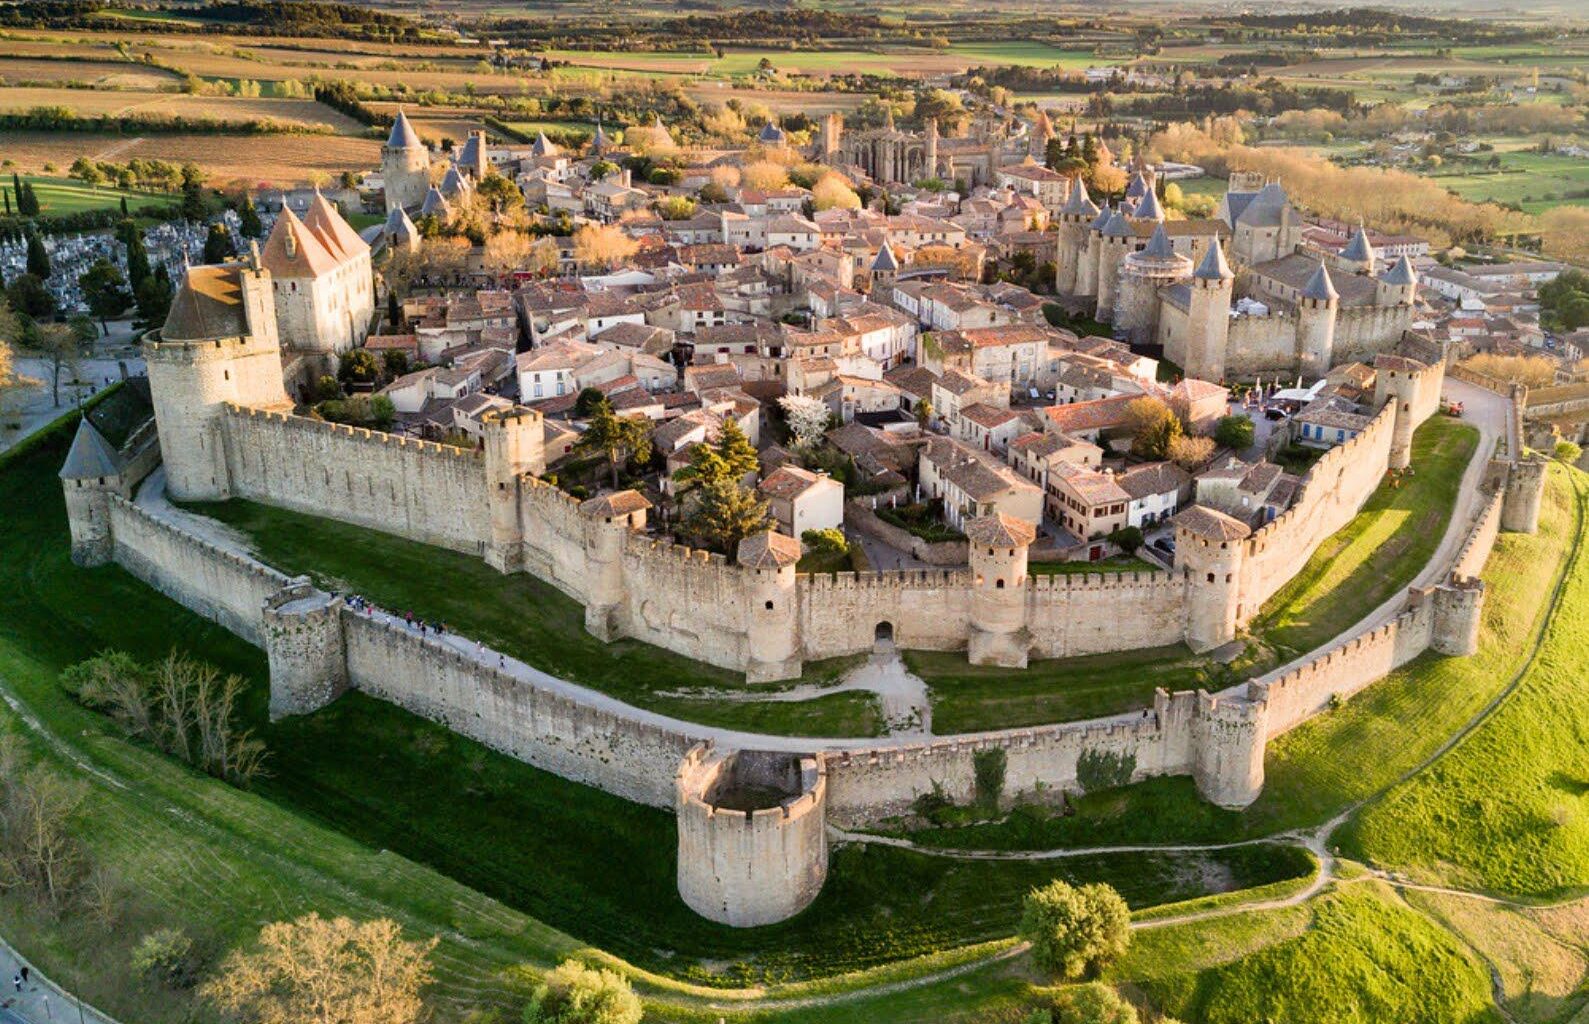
point(768, 863)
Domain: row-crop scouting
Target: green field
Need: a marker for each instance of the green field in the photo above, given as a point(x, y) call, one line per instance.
point(1533, 181)
point(885, 59)
point(971, 698)
point(1378, 553)
point(59, 196)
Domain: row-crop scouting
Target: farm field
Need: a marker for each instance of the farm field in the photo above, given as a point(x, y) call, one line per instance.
point(249, 159)
point(105, 74)
point(906, 61)
point(126, 103)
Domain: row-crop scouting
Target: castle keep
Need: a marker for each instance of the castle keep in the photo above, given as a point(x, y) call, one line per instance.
point(1173, 283)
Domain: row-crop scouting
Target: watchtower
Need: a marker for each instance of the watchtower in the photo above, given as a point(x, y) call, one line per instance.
point(772, 606)
point(998, 548)
point(1209, 549)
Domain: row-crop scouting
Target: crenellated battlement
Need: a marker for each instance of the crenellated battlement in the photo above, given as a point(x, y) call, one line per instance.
point(378, 437)
point(1330, 464)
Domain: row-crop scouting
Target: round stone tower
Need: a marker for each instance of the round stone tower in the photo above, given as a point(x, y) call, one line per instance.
point(1142, 274)
point(90, 475)
point(608, 519)
point(515, 444)
point(998, 547)
point(1525, 489)
point(1458, 613)
point(753, 841)
point(1229, 735)
point(1397, 286)
point(1316, 309)
point(1115, 240)
point(1074, 218)
point(1209, 548)
point(405, 166)
point(1208, 316)
point(1397, 382)
point(306, 648)
point(1087, 269)
point(772, 606)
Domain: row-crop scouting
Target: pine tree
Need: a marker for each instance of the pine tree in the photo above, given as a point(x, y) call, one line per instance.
point(38, 258)
point(722, 514)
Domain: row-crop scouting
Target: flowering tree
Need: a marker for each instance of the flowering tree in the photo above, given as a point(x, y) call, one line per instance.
point(808, 418)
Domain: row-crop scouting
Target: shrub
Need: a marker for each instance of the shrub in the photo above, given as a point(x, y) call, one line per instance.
point(1127, 539)
point(1234, 432)
point(575, 994)
point(829, 541)
point(1075, 931)
point(165, 956)
point(1568, 452)
point(1093, 1003)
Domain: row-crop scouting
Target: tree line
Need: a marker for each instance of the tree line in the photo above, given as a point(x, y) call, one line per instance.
point(64, 119)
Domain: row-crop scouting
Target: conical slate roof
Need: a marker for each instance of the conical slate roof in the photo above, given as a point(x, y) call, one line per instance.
point(399, 226)
point(1401, 272)
point(1266, 207)
point(600, 139)
point(1139, 187)
point(771, 135)
point(1101, 221)
point(1117, 226)
point(435, 203)
point(403, 134)
point(1320, 286)
point(91, 456)
point(1079, 202)
point(453, 183)
point(1148, 207)
point(1358, 250)
point(546, 147)
point(885, 259)
point(1212, 267)
point(1159, 246)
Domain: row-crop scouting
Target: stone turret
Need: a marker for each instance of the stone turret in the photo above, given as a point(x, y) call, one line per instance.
point(608, 520)
point(1358, 256)
point(1092, 255)
point(1525, 489)
point(405, 166)
point(831, 136)
point(1142, 274)
point(883, 272)
point(1074, 217)
point(1397, 286)
point(1458, 613)
point(1115, 240)
point(90, 475)
point(931, 155)
point(306, 648)
point(772, 607)
point(998, 547)
point(753, 846)
point(1209, 550)
point(1229, 735)
point(515, 444)
point(1400, 383)
point(1316, 310)
point(1208, 316)
point(218, 345)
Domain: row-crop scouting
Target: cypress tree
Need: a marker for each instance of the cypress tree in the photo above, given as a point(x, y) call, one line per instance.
point(217, 244)
point(137, 254)
point(251, 225)
point(38, 258)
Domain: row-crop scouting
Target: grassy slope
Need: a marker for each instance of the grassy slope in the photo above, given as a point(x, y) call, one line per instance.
point(1508, 808)
point(1378, 552)
point(967, 697)
point(1364, 957)
point(533, 621)
point(384, 780)
point(58, 196)
point(1325, 764)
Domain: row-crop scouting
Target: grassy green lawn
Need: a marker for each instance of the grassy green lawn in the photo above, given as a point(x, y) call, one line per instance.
point(1357, 956)
point(970, 698)
point(59, 196)
point(1319, 768)
point(1507, 810)
point(1378, 553)
point(1534, 181)
point(359, 796)
point(535, 622)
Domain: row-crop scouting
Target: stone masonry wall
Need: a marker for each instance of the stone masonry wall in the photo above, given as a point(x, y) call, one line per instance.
point(573, 739)
point(1330, 495)
point(420, 490)
point(218, 584)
